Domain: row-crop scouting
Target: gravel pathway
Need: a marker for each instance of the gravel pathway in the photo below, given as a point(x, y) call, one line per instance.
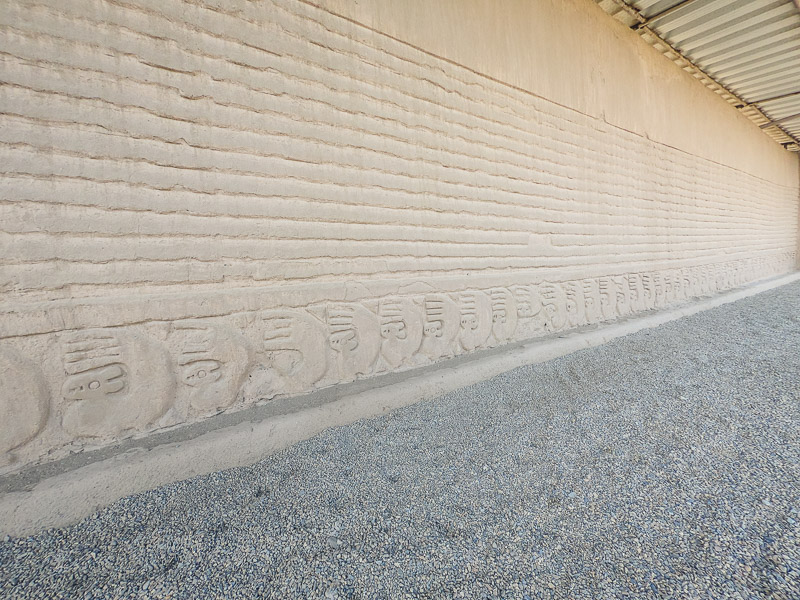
point(662, 465)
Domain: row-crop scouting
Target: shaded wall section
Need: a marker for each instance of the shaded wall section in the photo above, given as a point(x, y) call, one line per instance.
point(207, 205)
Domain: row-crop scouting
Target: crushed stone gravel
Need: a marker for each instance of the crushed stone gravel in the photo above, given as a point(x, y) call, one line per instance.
point(665, 464)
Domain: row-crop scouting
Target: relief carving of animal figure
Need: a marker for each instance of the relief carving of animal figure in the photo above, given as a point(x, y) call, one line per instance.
point(636, 293)
point(441, 325)
point(355, 338)
point(702, 276)
point(623, 295)
point(554, 301)
point(291, 354)
point(401, 325)
point(715, 276)
point(530, 311)
point(668, 278)
point(609, 292)
point(647, 284)
point(681, 284)
point(504, 315)
point(691, 286)
point(592, 300)
point(115, 381)
point(576, 304)
point(476, 319)
point(212, 361)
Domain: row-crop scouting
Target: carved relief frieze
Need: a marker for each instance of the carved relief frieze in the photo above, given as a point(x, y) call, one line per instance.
point(554, 302)
point(649, 291)
point(504, 315)
point(530, 311)
point(575, 304)
point(592, 300)
point(401, 326)
point(290, 353)
point(211, 362)
point(624, 298)
point(609, 292)
point(476, 319)
point(354, 336)
point(637, 302)
point(441, 325)
point(114, 381)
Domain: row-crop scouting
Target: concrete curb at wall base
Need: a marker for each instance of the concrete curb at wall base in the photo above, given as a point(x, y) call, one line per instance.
point(67, 497)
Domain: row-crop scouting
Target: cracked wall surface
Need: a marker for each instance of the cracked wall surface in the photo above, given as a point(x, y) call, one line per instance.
point(210, 204)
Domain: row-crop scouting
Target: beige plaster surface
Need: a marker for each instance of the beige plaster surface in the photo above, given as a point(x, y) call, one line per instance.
point(207, 206)
point(572, 53)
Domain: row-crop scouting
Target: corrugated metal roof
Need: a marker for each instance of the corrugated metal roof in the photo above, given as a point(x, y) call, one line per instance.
point(748, 51)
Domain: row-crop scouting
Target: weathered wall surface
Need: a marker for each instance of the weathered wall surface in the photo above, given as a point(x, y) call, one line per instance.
point(571, 53)
point(210, 204)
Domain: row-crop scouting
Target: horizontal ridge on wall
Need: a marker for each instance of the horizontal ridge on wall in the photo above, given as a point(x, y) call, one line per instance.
point(135, 132)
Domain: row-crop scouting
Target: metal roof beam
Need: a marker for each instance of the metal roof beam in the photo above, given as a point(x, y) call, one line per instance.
point(780, 121)
point(779, 97)
point(669, 10)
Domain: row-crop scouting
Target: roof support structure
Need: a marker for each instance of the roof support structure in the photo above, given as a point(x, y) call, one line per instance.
point(773, 98)
point(663, 13)
point(779, 121)
point(627, 12)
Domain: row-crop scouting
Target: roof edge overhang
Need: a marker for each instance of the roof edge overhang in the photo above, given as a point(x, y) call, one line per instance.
point(630, 16)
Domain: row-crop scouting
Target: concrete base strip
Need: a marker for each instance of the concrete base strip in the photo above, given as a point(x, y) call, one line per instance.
point(67, 497)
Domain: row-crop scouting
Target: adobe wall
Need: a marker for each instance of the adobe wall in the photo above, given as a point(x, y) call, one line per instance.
point(212, 204)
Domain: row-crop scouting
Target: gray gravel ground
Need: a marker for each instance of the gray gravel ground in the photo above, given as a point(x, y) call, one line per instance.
point(661, 465)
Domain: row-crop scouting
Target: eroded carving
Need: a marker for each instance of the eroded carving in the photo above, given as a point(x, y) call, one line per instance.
point(440, 327)
point(504, 315)
point(530, 313)
point(636, 295)
point(291, 347)
point(212, 361)
point(688, 284)
point(679, 285)
point(96, 384)
point(668, 279)
point(592, 300)
point(401, 329)
point(354, 337)
point(476, 319)
point(115, 381)
point(575, 304)
point(24, 401)
point(622, 295)
point(648, 287)
point(700, 281)
point(608, 297)
point(554, 302)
